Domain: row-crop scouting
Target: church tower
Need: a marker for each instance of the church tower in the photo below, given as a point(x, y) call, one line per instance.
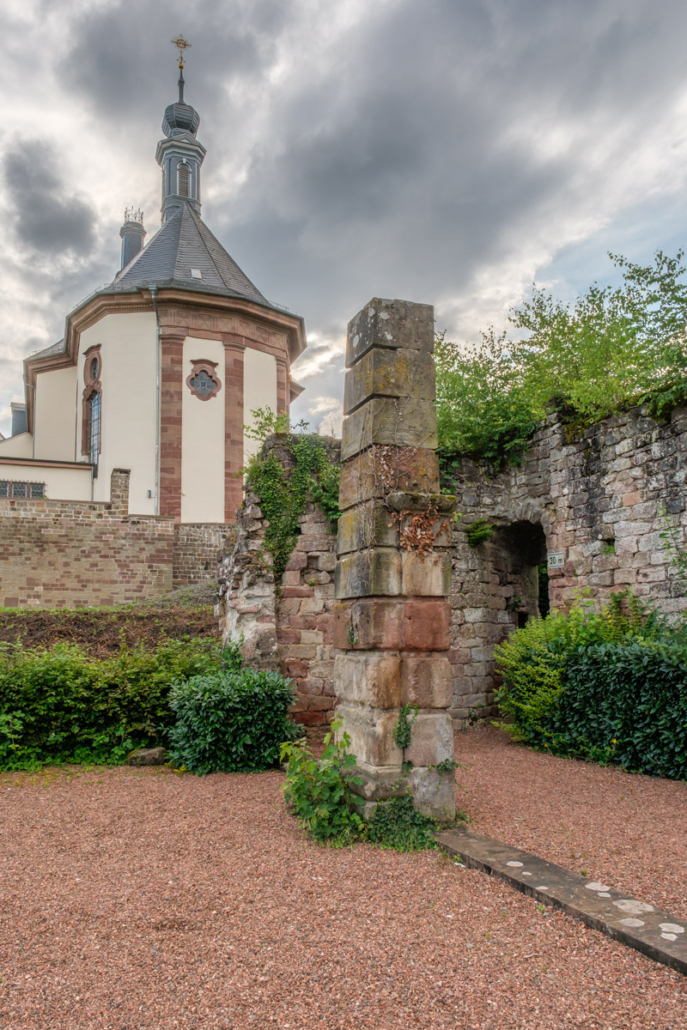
point(180, 154)
point(160, 370)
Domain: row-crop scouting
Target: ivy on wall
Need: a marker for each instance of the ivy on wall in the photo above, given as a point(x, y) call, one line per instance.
point(284, 492)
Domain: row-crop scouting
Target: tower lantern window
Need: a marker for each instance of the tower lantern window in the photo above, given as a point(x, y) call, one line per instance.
point(184, 180)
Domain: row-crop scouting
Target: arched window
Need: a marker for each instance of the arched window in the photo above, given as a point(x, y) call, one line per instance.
point(184, 180)
point(92, 405)
point(94, 427)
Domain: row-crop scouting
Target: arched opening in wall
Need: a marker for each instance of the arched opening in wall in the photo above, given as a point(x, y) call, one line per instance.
point(524, 547)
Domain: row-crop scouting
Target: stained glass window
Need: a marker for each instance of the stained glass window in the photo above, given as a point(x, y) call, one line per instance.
point(94, 428)
point(203, 384)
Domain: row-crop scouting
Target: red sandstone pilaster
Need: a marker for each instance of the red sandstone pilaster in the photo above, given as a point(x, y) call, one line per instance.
point(171, 386)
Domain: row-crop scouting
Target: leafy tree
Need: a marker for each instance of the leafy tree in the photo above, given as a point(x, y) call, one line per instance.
point(613, 347)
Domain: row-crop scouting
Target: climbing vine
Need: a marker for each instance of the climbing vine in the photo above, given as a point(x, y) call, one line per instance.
point(404, 727)
point(283, 493)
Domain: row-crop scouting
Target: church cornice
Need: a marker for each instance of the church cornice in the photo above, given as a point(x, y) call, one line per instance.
point(193, 303)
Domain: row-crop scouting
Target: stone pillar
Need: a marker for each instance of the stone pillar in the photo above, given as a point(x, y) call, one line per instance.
point(393, 571)
point(119, 492)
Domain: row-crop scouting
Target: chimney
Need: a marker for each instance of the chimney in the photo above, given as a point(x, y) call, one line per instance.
point(132, 233)
point(19, 423)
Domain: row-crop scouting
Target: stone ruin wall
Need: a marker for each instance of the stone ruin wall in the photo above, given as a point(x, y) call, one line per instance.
point(290, 630)
point(594, 498)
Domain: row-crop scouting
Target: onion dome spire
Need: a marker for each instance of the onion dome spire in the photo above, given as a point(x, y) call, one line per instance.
point(180, 155)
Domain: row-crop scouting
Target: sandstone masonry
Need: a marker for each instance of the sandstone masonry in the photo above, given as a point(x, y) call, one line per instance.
point(56, 554)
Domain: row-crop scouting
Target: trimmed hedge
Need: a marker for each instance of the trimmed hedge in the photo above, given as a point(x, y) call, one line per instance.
point(608, 686)
point(61, 705)
point(231, 721)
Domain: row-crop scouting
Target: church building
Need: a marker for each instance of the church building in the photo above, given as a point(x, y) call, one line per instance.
point(159, 371)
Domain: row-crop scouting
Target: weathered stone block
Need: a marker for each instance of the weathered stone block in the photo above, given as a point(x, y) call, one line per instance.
point(369, 679)
point(426, 576)
point(434, 793)
point(431, 740)
point(368, 525)
point(409, 422)
point(378, 623)
point(375, 572)
point(390, 324)
point(147, 756)
point(372, 734)
point(389, 373)
point(383, 469)
point(426, 681)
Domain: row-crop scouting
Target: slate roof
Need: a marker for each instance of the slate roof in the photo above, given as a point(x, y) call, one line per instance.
point(54, 348)
point(183, 243)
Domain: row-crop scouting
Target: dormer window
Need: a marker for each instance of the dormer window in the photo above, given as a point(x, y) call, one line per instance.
point(184, 179)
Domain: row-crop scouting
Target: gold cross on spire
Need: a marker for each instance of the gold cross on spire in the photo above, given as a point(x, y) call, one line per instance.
point(181, 44)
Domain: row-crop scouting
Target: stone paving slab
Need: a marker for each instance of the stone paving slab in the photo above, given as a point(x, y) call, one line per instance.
point(644, 927)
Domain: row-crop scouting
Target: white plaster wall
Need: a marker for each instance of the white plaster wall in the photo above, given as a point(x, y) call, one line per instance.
point(19, 446)
point(54, 426)
point(259, 390)
point(64, 484)
point(129, 403)
point(202, 439)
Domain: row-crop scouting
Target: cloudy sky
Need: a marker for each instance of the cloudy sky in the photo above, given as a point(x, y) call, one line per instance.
point(444, 151)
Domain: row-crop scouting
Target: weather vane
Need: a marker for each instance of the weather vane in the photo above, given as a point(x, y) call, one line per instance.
point(181, 44)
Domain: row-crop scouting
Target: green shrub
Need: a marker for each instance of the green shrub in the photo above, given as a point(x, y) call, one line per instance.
point(60, 705)
point(396, 825)
point(608, 686)
point(319, 793)
point(478, 532)
point(230, 721)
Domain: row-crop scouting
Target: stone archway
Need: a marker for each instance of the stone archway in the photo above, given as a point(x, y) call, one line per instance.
point(496, 587)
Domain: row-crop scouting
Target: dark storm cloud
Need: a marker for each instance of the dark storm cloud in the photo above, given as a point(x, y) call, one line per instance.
point(127, 71)
point(401, 169)
point(46, 214)
point(393, 147)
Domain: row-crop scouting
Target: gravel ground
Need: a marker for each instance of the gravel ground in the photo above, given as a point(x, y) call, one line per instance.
point(136, 899)
point(628, 831)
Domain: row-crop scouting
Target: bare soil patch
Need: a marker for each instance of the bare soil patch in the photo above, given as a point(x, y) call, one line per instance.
point(102, 631)
point(140, 899)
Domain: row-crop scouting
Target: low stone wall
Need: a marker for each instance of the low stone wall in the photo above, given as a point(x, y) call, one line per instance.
point(56, 554)
point(198, 547)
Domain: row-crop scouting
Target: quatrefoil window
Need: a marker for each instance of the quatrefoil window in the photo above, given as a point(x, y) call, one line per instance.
point(204, 382)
